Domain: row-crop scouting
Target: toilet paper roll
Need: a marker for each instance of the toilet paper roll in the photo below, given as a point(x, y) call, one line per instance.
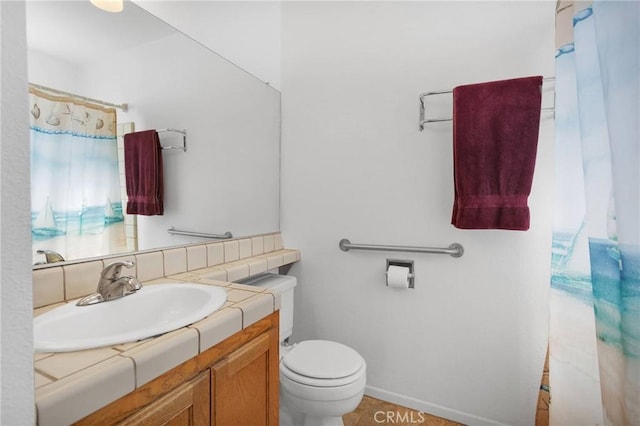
point(398, 276)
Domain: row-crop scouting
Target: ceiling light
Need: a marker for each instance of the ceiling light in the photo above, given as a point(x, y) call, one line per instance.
point(108, 5)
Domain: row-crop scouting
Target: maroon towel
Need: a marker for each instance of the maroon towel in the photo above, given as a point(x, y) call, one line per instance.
point(495, 139)
point(143, 172)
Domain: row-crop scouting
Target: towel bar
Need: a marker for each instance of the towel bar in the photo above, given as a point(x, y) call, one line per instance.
point(422, 121)
point(224, 236)
point(184, 139)
point(454, 250)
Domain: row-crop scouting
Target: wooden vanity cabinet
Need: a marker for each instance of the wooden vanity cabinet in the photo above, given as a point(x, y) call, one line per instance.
point(233, 383)
point(186, 405)
point(243, 385)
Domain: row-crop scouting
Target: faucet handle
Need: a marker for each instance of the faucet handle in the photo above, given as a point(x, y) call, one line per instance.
point(132, 285)
point(112, 270)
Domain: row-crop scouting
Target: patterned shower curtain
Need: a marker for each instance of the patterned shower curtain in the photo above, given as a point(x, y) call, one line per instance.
point(75, 185)
point(595, 298)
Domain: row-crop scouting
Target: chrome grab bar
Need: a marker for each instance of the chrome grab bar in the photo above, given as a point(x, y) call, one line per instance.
point(224, 236)
point(454, 250)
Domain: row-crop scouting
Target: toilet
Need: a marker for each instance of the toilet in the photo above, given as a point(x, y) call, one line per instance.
point(320, 380)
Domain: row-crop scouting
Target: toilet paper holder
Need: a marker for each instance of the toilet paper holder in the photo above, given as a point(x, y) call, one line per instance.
point(403, 263)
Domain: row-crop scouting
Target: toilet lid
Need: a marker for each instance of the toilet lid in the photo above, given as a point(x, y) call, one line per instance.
point(322, 359)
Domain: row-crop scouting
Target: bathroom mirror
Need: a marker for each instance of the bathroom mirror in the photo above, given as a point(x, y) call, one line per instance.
point(227, 180)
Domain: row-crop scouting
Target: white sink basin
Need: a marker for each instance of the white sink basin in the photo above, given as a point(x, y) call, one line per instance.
point(152, 310)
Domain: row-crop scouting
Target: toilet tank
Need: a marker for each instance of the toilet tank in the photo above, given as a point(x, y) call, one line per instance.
point(284, 285)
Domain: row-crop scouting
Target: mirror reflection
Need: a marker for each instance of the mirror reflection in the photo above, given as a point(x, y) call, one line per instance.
point(84, 64)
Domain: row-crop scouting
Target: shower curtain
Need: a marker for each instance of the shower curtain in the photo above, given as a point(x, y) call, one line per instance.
point(595, 298)
point(75, 185)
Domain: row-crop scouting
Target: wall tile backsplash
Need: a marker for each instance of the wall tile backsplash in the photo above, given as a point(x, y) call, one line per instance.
point(175, 261)
point(48, 286)
point(196, 258)
point(215, 254)
point(245, 248)
point(75, 278)
point(150, 265)
point(231, 251)
point(268, 243)
point(257, 246)
point(226, 261)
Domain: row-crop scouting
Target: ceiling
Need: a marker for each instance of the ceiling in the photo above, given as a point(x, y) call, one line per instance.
point(78, 32)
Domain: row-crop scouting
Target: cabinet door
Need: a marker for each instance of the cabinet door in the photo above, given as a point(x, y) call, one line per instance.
point(189, 404)
point(245, 384)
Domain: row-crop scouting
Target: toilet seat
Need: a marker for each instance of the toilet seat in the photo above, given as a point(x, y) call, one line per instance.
point(321, 363)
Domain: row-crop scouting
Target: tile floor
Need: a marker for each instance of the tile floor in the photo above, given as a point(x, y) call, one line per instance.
point(544, 397)
point(375, 412)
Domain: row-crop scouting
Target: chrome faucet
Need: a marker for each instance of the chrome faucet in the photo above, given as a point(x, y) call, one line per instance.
point(51, 256)
point(111, 285)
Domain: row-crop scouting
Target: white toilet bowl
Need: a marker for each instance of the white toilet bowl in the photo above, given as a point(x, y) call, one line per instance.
point(320, 381)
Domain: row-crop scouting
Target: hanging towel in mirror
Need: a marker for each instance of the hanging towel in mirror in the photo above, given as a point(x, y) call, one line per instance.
point(143, 173)
point(495, 140)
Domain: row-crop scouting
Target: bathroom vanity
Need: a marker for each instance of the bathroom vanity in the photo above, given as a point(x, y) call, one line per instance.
point(221, 370)
point(232, 383)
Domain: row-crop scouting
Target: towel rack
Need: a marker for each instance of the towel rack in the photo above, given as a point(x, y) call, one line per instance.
point(423, 121)
point(454, 250)
point(184, 139)
point(224, 236)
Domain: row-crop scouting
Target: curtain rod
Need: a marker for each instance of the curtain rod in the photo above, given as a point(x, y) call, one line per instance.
point(123, 107)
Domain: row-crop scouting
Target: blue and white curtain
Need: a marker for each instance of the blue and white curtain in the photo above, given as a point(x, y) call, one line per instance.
point(75, 185)
point(595, 298)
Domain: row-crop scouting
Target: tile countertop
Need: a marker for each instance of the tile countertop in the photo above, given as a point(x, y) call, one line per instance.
point(72, 385)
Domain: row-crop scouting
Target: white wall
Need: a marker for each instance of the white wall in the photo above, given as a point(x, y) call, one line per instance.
point(50, 71)
point(468, 343)
point(246, 33)
point(16, 344)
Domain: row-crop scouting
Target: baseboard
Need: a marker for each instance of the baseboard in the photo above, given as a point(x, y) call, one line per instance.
point(429, 408)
